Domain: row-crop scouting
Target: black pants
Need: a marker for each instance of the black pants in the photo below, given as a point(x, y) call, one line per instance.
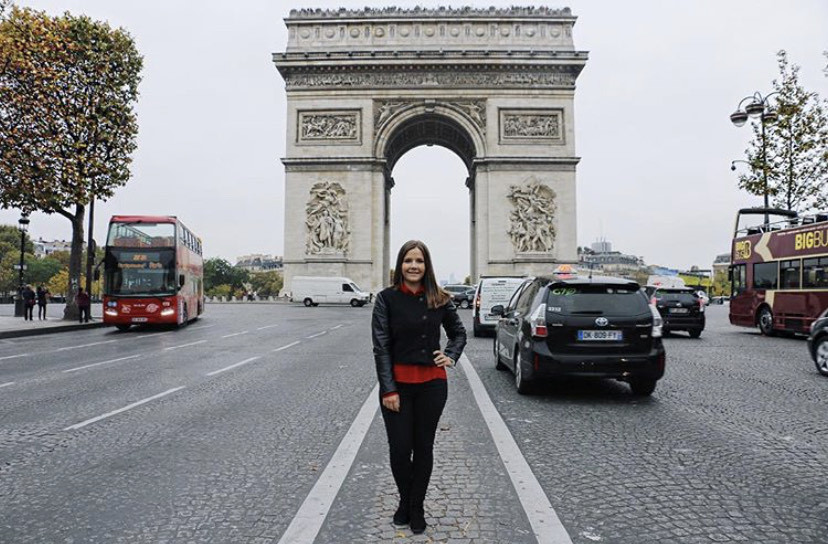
point(41, 311)
point(84, 314)
point(411, 437)
point(27, 312)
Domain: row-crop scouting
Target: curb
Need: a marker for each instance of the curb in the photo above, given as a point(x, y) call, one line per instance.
point(49, 330)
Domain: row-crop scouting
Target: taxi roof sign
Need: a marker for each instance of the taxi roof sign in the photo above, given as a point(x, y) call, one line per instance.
point(564, 270)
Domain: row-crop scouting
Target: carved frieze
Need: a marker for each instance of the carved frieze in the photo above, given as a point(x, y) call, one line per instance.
point(522, 126)
point(532, 228)
point(474, 110)
point(426, 78)
point(327, 220)
point(329, 126)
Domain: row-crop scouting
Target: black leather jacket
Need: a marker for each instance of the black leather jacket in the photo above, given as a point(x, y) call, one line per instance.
point(405, 330)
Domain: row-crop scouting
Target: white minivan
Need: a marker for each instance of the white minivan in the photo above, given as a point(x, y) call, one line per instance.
point(491, 291)
point(316, 290)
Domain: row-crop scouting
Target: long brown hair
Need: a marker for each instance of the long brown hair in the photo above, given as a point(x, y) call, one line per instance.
point(435, 296)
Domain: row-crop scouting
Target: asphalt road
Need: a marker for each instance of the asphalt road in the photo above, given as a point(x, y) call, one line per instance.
point(218, 432)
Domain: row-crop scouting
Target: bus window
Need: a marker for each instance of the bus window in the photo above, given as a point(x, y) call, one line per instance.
point(738, 281)
point(790, 274)
point(765, 275)
point(815, 273)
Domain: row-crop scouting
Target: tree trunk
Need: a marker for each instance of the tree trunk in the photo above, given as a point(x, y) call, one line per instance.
point(75, 257)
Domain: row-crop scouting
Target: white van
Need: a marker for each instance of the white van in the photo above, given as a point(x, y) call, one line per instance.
point(316, 290)
point(492, 291)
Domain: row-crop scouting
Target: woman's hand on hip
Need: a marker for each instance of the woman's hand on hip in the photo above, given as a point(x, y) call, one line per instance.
point(441, 359)
point(392, 402)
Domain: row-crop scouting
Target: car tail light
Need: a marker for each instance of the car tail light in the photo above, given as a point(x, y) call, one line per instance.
point(701, 305)
point(477, 301)
point(538, 322)
point(657, 322)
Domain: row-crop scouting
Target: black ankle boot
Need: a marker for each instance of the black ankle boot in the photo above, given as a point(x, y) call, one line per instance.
point(402, 516)
point(418, 522)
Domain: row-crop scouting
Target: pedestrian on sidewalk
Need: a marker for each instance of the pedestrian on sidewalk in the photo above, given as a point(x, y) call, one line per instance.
point(411, 369)
point(42, 295)
point(82, 299)
point(28, 303)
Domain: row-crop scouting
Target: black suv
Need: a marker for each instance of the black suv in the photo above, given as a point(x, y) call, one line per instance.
point(596, 327)
point(463, 295)
point(681, 308)
point(818, 343)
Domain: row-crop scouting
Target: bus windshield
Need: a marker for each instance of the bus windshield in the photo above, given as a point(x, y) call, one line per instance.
point(141, 235)
point(139, 272)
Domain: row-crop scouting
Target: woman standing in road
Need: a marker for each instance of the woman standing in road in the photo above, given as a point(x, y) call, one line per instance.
point(411, 369)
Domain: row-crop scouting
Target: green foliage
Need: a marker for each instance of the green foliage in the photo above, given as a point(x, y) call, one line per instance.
point(68, 86)
point(721, 285)
point(10, 257)
point(41, 270)
point(220, 272)
point(796, 147)
point(222, 290)
point(267, 284)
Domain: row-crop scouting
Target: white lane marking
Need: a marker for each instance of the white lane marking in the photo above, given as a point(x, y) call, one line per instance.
point(267, 327)
point(338, 326)
point(308, 520)
point(235, 334)
point(542, 517)
point(317, 334)
point(102, 363)
point(287, 346)
point(184, 345)
point(67, 348)
point(213, 373)
point(124, 409)
point(14, 356)
point(2, 385)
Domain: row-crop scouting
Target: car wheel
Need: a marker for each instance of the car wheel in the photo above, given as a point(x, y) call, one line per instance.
point(642, 387)
point(765, 321)
point(498, 364)
point(354, 303)
point(123, 327)
point(695, 334)
point(821, 355)
point(464, 304)
point(520, 380)
point(307, 302)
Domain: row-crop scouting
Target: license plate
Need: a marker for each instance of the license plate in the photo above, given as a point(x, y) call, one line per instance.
point(139, 319)
point(679, 310)
point(600, 335)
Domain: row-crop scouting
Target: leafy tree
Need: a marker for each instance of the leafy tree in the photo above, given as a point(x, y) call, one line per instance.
point(10, 257)
point(67, 127)
point(267, 284)
point(219, 272)
point(41, 270)
point(222, 290)
point(796, 147)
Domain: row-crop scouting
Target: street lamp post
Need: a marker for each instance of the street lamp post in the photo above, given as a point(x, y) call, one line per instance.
point(758, 107)
point(23, 226)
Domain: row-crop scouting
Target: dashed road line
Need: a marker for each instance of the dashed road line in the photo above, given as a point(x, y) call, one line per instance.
point(67, 348)
point(213, 373)
point(2, 385)
point(184, 345)
point(235, 334)
point(338, 326)
point(267, 327)
point(308, 520)
point(102, 363)
point(14, 356)
point(315, 335)
point(287, 346)
point(120, 410)
point(542, 517)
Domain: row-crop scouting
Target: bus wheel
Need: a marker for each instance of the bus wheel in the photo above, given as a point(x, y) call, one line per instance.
point(123, 327)
point(185, 317)
point(307, 302)
point(765, 321)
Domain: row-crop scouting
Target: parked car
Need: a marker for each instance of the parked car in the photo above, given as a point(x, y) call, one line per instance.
point(591, 327)
point(681, 308)
point(490, 292)
point(818, 343)
point(463, 295)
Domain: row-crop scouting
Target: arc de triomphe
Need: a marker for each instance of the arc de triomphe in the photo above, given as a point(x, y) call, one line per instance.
point(495, 86)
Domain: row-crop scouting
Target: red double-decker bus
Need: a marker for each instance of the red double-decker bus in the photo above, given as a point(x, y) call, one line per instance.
point(153, 272)
point(779, 270)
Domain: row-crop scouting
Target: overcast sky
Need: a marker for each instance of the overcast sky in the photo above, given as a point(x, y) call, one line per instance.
point(651, 123)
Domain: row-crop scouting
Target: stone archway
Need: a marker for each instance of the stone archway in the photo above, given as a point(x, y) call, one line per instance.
point(495, 86)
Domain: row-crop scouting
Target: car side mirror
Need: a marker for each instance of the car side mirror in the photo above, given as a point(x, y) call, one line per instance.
point(497, 309)
point(181, 280)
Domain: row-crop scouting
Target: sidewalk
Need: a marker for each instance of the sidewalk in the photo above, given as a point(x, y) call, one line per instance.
point(15, 327)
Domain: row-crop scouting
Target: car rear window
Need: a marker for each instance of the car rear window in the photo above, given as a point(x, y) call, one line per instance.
point(595, 300)
point(685, 297)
